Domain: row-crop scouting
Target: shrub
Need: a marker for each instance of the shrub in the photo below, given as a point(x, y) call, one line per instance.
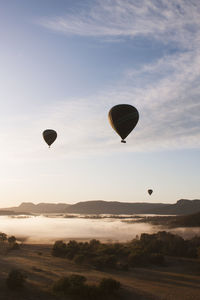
point(72, 285)
point(109, 286)
point(76, 288)
point(59, 249)
point(76, 280)
point(62, 286)
point(91, 292)
point(15, 280)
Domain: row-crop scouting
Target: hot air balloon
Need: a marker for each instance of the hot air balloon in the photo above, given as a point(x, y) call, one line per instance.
point(49, 136)
point(150, 192)
point(123, 119)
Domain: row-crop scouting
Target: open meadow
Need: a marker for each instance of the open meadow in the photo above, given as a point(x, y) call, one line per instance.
point(178, 279)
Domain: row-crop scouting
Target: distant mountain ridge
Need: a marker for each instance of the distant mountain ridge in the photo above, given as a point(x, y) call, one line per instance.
point(181, 207)
point(113, 207)
point(40, 208)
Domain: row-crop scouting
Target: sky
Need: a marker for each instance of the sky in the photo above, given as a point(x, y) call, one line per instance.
point(64, 64)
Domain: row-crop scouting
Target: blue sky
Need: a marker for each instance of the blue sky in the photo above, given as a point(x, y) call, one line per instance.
point(64, 64)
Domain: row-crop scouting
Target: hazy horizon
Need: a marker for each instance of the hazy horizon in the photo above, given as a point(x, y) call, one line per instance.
point(71, 203)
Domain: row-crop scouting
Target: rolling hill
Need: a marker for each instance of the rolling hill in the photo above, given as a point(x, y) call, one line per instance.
point(30, 207)
point(181, 207)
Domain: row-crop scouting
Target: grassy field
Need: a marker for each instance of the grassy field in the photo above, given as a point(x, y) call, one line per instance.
point(179, 279)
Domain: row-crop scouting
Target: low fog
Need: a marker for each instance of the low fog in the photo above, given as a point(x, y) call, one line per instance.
point(41, 229)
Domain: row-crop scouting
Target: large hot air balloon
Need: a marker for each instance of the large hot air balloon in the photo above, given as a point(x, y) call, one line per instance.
point(123, 119)
point(49, 136)
point(150, 192)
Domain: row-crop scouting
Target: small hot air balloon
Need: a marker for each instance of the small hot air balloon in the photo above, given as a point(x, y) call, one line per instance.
point(49, 136)
point(123, 119)
point(150, 192)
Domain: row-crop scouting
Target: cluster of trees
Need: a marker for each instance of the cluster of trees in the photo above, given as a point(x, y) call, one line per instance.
point(170, 244)
point(107, 256)
point(76, 288)
point(8, 242)
point(149, 249)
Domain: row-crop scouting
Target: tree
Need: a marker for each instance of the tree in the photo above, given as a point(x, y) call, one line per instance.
point(12, 239)
point(15, 280)
point(59, 249)
point(109, 286)
point(3, 237)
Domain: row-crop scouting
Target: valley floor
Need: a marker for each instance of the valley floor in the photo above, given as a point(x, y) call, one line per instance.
point(178, 280)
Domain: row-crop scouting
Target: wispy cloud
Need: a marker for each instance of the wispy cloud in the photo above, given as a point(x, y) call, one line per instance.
point(166, 92)
point(175, 20)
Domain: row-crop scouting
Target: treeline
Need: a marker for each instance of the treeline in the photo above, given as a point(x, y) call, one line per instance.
point(170, 244)
point(107, 256)
point(186, 221)
point(8, 242)
point(192, 220)
point(150, 249)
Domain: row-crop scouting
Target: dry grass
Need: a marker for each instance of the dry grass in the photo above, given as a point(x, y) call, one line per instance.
point(179, 280)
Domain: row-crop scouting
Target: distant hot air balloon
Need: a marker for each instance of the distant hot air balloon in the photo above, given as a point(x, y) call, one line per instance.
point(123, 119)
point(150, 192)
point(49, 136)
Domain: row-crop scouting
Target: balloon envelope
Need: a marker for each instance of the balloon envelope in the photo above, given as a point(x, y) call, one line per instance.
point(150, 192)
point(123, 119)
point(49, 136)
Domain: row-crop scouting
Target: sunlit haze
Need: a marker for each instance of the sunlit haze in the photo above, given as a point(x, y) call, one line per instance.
point(64, 64)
